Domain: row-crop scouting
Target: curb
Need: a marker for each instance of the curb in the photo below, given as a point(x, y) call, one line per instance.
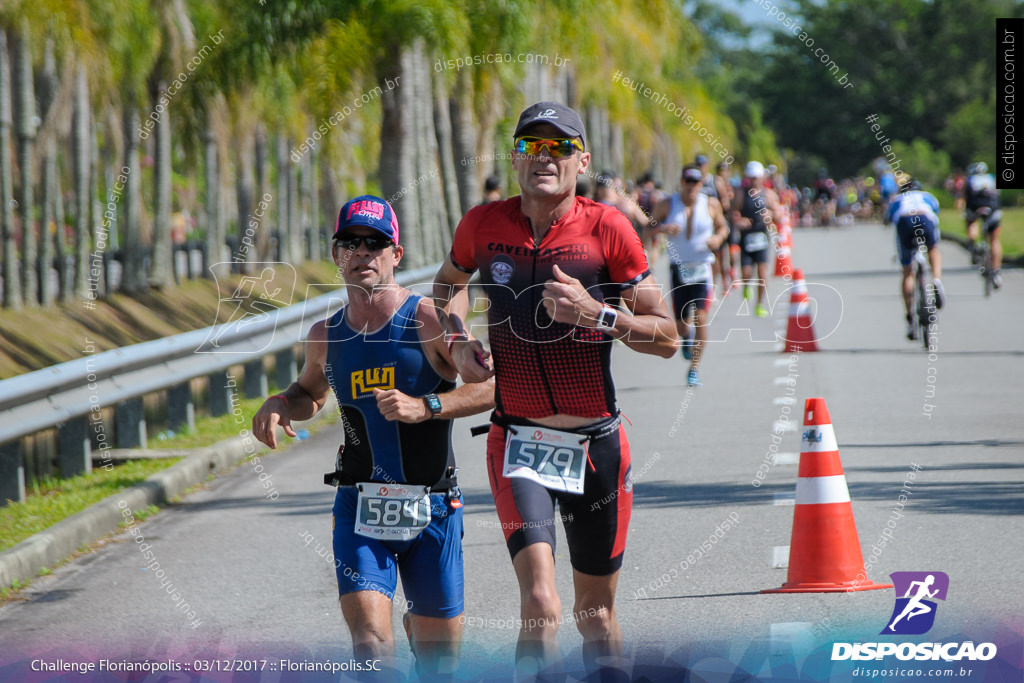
point(48, 547)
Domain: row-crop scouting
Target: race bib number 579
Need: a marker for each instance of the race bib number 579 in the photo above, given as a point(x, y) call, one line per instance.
point(553, 459)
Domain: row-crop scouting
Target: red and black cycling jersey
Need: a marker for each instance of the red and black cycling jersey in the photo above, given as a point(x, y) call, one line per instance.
point(543, 367)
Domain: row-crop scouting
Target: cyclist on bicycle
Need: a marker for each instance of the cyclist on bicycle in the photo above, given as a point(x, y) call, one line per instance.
point(915, 214)
point(982, 202)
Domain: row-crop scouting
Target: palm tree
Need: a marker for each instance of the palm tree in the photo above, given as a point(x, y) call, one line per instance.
point(82, 182)
point(25, 127)
point(12, 277)
point(50, 191)
point(177, 45)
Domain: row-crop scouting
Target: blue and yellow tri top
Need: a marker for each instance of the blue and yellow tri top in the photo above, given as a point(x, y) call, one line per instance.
point(389, 358)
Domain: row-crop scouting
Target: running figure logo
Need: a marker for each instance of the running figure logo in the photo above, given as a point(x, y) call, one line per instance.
point(914, 613)
point(255, 299)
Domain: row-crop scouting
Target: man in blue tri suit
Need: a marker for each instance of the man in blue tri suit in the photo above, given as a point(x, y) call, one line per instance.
point(398, 507)
point(915, 214)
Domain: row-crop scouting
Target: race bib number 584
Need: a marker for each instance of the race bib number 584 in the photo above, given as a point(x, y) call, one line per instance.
point(553, 459)
point(392, 512)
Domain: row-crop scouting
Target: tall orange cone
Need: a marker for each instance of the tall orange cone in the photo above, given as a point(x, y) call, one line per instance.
point(800, 330)
point(784, 247)
point(783, 257)
point(824, 552)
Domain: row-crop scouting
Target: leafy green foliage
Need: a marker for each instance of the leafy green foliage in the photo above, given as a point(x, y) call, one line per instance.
point(925, 68)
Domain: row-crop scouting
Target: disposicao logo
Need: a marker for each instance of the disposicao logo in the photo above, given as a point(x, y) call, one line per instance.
point(914, 614)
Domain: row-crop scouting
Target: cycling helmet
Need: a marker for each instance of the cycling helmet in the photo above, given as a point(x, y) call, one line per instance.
point(980, 167)
point(909, 185)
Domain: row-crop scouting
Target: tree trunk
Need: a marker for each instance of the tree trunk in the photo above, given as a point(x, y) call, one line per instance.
point(449, 179)
point(12, 276)
point(263, 187)
point(398, 157)
point(487, 147)
point(47, 200)
point(330, 198)
point(212, 251)
point(82, 161)
point(246, 253)
point(427, 188)
point(105, 227)
point(464, 142)
point(294, 215)
point(25, 125)
point(48, 242)
point(305, 241)
point(316, 243)
point(132, 257)
point(284, 242)
point(162, 268)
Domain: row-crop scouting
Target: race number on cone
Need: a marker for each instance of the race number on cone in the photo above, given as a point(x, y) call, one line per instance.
point(824, 552)
point(800, 330)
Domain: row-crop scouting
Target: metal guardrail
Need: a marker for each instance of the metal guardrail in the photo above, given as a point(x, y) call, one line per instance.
point(57, 395)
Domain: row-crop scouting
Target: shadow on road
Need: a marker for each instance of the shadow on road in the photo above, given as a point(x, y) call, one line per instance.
point(669, 494)
point(286, 504)
point(961, 497)
point(709, 595)
point(917, 350)
point(992, 443)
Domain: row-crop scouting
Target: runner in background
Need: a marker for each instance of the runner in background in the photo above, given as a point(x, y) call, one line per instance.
point(695, 230)
point(754, 212)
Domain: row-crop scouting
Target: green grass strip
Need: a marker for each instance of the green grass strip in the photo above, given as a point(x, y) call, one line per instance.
point(51, 500)
point(1011, 233)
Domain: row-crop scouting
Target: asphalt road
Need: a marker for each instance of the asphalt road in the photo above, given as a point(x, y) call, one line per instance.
point(249, 567)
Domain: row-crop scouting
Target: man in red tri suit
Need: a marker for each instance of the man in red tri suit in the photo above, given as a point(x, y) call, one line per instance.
point(552, 264)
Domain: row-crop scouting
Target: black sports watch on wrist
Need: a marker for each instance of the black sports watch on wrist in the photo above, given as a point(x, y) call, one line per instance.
point(433, 404)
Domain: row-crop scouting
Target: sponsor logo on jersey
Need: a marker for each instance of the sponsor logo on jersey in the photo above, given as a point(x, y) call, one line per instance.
point(365, 381)
point(501, 270)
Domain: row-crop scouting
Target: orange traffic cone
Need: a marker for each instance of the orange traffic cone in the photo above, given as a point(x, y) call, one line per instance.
point(800, 331)
point(784, 252)
point(783, 257)
point(824, 552)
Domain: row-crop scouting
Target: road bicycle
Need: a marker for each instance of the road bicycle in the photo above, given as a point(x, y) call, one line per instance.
point(983, 250)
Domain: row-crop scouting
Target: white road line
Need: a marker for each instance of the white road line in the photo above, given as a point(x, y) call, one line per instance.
point(786, 459)
point(780, 557)
point(783, 499)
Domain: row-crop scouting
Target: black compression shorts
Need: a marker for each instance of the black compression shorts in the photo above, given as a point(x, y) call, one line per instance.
point(596, 521)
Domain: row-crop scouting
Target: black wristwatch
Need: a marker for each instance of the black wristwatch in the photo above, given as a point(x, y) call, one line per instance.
point(433, 404)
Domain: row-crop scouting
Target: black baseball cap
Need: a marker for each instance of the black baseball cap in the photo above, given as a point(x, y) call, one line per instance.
point(557, 114)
